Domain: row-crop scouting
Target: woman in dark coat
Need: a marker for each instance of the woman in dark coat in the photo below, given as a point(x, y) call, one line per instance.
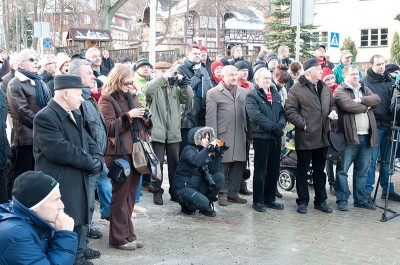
point(5, 151)
point(120, 103)
point(265, 110)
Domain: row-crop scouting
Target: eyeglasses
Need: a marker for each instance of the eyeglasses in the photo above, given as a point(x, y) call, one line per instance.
point(32, 60)
point(128, 83)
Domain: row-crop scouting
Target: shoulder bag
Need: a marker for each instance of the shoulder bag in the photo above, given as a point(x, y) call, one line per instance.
point(337, 143)
point(120, 168)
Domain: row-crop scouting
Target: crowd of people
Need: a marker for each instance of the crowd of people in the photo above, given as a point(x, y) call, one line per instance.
point(72, 115)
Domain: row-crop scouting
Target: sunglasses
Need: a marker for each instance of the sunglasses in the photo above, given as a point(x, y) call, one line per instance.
point(32, 60)
point(128, 83)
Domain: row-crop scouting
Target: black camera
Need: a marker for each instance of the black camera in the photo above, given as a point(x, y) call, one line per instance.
point(147, 115)
point(207, 176)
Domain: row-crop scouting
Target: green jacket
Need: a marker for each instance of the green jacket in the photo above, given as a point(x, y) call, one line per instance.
point(338, 72)
point(164, 103)
point(139, 82)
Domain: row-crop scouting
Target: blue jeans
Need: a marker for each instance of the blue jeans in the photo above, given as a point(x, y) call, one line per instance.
point(382, 149)
point(360, 154)
point(139, 189)
point(104, 191)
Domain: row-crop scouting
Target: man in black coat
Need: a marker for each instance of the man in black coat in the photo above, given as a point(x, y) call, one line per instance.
point(107, 62)
point(65, 151)
point(237, 54)
point(193, 113)
point(380, 83)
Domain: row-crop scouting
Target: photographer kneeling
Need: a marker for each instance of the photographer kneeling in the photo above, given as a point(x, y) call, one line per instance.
point(198, 178)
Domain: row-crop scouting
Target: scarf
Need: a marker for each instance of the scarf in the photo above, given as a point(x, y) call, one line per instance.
point(324, 62)
point(217, 79)
point(42, 93)
point(333, 88)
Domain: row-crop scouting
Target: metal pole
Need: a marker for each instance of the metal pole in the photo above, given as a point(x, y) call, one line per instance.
point(299, 3)
point(152, 41)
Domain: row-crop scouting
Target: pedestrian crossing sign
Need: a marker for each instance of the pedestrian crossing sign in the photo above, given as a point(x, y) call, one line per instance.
point(334, 40)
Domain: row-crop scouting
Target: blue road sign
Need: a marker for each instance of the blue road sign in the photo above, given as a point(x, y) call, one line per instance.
point(47, 43)
point(334, 40)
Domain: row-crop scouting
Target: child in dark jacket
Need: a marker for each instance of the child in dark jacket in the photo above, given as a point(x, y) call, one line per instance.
point(198, 178)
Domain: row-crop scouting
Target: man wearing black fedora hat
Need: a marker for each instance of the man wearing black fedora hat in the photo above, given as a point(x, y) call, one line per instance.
point(63, 149)
point(309, 107)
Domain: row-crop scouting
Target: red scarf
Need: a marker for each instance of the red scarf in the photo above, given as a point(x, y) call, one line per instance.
point(97, 95)
point(245, 85)
point(333, 88)
point(217, 79)
point(324, 62)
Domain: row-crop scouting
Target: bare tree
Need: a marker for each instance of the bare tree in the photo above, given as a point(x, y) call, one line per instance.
point(107, 11)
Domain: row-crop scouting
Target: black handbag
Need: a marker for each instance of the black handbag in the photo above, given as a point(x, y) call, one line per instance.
point(337, 144)
point(120, 168)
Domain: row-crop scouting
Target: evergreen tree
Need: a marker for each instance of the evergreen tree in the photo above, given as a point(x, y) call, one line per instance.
point(395, 48)
point(348, 44)
point(281, 33)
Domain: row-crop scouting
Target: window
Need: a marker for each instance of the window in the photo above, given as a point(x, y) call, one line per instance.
point(212, 22)
point(86, 19)
point(374, 37)
point(319, 38)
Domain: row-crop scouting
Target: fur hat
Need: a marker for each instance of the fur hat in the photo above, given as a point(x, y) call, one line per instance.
point(62, 59)
point(326, 72)
point(33, 188)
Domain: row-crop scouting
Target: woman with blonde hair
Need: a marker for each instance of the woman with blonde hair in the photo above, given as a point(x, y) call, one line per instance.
point(120, 105)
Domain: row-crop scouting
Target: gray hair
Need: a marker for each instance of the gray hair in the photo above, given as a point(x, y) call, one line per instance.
point(21, 56)
point(228, 68)
point(75, 66)
point(262, 54)
point(347, 69)
point(49, 57)
point(90, 51)
point(259, 72)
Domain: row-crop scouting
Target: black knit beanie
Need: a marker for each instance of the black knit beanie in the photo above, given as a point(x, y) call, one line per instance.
point(142, 61)
point(32, 188)
point(241, 65)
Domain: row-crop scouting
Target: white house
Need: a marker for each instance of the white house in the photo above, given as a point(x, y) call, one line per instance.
point(369, 23)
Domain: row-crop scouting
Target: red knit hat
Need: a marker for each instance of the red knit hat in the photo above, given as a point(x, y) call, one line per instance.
point(326, 72)
point(203, 48)
point(215, 65)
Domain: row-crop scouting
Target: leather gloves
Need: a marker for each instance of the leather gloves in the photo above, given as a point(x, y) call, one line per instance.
point(97, 167)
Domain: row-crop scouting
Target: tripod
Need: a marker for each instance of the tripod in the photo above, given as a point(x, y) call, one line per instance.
point(394, 140)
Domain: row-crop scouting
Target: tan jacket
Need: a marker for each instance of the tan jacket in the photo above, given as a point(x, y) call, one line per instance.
point(227, 116)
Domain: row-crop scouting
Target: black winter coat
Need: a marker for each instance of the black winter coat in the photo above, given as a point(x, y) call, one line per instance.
point(383, 87)
point(192, 158)
point(263, 115)
point(5, 150)
point(93, 121)
point(65, 151)
point(194, 112)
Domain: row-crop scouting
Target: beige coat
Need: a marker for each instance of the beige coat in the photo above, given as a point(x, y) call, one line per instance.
point(227, 116)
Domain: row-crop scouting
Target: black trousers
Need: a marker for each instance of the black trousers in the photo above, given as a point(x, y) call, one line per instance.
point(266, 169)
point(24, 161)
point(3, 186)
point(172, 152)
point(304, 158)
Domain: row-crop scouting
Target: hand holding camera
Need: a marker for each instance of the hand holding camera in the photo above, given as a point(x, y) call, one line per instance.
point(140, 112)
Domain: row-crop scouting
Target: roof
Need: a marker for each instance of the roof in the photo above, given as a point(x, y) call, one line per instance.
point(245, 18)
point(78, 34)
